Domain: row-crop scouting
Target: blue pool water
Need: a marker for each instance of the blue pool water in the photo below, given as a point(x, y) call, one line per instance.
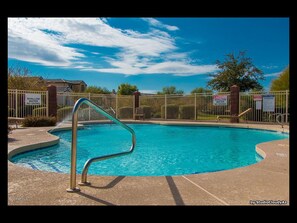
point(160, 150)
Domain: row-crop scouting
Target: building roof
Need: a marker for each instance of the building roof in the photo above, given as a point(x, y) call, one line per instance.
point(66, 81)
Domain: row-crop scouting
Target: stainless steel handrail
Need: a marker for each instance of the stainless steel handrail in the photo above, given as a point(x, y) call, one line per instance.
point(78, 103)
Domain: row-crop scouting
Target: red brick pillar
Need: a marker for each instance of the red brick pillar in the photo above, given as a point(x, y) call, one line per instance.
point(136, 102)
point(234, 103)
point(52, 100)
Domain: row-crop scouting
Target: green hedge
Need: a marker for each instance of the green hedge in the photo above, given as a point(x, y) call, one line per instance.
point(83, 114)
point(172, 111)
point(147, 111)
point(38, 121)
point(64, 112)
point(39, 111)
point(126, 112)
point(187, 111)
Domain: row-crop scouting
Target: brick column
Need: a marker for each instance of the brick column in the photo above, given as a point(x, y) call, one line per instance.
point(234, 103)
point(52, 100)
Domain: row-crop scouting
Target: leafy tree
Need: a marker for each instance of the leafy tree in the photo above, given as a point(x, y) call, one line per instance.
point(200, 90)
point(170, 90)
point(236, 70)
point(20, 78)
point(97, 90)
point(127, 89)
point(281, 82)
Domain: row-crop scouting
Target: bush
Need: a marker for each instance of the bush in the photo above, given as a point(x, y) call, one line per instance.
point(157, 115)
point(126, 112)
point(64, 112)
point(39, 121)
point(187, 111)
point(172, 111)
point(146, 111)
point(39, 111)
point(11, 112)
point(94, 115)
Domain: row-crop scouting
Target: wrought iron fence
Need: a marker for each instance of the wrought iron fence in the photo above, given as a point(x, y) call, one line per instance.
point(23, 103)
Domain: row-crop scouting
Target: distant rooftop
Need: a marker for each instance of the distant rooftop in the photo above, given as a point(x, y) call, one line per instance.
point(66, 81)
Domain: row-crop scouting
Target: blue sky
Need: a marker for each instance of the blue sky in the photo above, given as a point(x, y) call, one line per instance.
point(148, 52)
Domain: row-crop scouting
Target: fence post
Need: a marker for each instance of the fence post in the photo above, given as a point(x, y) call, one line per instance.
point(287, 105)
point(234, 103)
point(52, 99)
point(16, 103)
point(89, 107)
point(165, 106)
point(195, 106)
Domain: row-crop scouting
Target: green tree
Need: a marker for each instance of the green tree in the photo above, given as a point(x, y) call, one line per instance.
point(236, 70)
point(97, 90)
point(21, 78)
point(200, 90)
point(281, 82)
point(170, 90)
point(127, 89)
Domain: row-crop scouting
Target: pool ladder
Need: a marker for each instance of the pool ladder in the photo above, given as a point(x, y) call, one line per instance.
point(84, 181)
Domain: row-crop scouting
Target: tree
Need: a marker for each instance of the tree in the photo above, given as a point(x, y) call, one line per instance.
point(20, 78)
point(281, 82)
point(127, 89)
point(97, 90)
point(200, 90)
point(170, 90)
point(238, 71)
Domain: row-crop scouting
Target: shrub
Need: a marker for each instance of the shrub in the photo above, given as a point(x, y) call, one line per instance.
point(172, 111)
point(187, 111)
point(126, 112)
point(146, 111)
point(64, 112)
point(11, 112)
point(39, 121)
point(39, 111)
point(157, 115)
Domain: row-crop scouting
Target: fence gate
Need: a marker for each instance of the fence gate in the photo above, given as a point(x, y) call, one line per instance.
point(266, 106)
point(23, 103)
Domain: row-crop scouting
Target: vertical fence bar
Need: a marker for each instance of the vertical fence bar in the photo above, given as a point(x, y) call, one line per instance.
point(16, 103)
point(287, 105)
point(165, 109)
point(133, 99)
point(195, 107)
point(89, 107)
point(117, 105)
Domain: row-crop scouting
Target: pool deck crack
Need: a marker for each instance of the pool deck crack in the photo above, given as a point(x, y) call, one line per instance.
point(214, 196)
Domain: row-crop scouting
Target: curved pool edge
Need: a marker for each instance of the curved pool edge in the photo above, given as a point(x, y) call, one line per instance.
point(248, 184)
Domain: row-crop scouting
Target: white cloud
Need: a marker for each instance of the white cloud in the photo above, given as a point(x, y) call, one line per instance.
point(272, 74)
point(47, 41)
point(158, 24)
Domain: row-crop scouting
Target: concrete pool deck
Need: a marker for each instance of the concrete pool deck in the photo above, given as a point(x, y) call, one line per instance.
point(267, 180)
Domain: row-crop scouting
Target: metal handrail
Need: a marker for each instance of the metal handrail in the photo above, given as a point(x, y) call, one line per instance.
point(78, 103)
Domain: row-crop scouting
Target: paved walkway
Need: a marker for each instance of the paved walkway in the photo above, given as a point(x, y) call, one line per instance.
point(266, 180)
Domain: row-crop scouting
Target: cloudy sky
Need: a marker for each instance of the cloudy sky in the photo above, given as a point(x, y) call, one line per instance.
point(148, 52)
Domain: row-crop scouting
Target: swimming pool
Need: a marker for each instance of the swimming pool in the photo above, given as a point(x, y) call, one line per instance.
point(161, 150)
